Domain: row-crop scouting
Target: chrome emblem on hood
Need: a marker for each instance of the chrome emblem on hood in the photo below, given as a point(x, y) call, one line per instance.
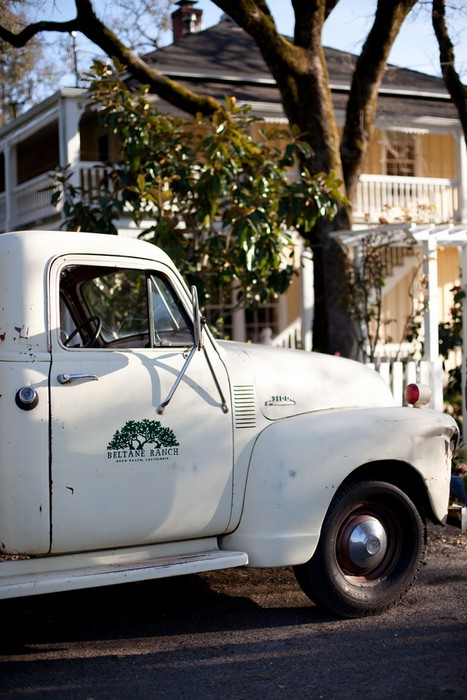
point(280, 400)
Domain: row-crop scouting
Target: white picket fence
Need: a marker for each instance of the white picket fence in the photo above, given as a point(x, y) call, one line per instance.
point(401, 364)
point(398, 374)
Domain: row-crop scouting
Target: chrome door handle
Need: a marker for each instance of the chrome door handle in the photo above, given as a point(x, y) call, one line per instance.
point(67, 378)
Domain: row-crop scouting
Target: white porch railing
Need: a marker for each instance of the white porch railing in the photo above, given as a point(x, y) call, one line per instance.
point(290, 337)
point(398, 374)
point(401, 364)
point(431, 200)
point(423, 199)
point(90, 175)
point(31, 202)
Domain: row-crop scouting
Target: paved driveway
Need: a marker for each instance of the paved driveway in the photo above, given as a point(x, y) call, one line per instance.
point(239, 634)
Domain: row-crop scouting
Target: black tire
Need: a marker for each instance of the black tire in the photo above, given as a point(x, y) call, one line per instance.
point(370, 551)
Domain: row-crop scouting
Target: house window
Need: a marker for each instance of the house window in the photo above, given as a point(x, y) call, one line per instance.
point(259, 325)
point(262, 323)
point(220, 319)
point(400, 154)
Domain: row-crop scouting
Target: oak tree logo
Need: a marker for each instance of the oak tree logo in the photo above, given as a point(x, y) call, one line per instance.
point(141, 441)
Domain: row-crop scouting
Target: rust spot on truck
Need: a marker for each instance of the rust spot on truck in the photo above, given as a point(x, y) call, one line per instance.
point(23, 335)
point(2, 337)
point(13, 557)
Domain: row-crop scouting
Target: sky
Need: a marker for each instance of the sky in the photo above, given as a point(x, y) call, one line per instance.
point(345, 29)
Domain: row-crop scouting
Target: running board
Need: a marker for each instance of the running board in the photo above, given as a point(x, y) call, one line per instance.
point(18, 578)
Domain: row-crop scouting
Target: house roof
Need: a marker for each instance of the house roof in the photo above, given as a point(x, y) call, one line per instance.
point(225, 60)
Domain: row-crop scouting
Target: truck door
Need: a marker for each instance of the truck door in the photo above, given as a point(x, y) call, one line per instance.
point(121, 473)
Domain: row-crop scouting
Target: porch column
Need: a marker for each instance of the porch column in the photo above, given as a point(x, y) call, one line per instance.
point(431, 321)
point(463, 258)
point(70, 142)
point(238, 319)
point(462, 176)
point(307, 297)
point(10, 182)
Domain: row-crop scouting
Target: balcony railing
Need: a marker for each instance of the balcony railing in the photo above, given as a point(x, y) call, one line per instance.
point(29, 205)
point(380, 198)
point(388, 199)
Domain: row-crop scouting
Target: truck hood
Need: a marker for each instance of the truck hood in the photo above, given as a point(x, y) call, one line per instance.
point(289, 382)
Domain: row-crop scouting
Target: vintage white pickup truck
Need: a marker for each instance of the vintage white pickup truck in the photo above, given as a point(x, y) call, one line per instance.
point(135, 446)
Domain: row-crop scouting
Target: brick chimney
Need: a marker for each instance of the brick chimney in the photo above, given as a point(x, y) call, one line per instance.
point(186, 20)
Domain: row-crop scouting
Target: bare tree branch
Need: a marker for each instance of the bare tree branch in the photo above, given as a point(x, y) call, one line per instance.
point(89, 24)
point(366, 81)
point(330, 5)
point(21, 38)
point(456, 89)
point(255, 18)
point(299, 70)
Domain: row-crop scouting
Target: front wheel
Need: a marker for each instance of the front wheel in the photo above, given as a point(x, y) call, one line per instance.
point(370, 551)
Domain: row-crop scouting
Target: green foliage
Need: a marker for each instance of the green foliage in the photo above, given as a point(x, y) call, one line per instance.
point(450, 332)
point(364, 292)
point(450, 339)
point(88, 210)
point(216, 198)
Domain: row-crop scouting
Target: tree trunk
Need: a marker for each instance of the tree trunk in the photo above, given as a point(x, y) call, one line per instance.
point(366, 81)
point(332, 325)
point(456, 89)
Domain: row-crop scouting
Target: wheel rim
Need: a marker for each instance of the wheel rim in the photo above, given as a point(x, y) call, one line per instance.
point(368, 544)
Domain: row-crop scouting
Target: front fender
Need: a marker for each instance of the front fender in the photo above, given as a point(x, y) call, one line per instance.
point(297, 465)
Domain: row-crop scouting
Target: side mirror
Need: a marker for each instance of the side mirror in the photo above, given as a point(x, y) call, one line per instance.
point(197, 320)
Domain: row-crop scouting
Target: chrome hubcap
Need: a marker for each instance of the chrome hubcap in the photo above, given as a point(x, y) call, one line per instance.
point(366, 542)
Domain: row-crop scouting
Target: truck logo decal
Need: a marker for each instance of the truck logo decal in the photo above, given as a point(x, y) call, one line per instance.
point(280, 400)
point(143, 441)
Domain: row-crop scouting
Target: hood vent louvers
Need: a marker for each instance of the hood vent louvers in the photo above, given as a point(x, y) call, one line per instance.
point(244, 405)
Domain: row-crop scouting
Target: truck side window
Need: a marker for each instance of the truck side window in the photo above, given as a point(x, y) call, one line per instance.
point(119, 299)
point(170, 324)
point(124, 308)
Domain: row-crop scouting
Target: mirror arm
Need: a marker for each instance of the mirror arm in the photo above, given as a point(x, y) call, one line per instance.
point(165, 403)
point(198, 324)
point(225, 408)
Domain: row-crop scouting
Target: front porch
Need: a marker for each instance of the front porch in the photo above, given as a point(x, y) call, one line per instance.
point(380, 199)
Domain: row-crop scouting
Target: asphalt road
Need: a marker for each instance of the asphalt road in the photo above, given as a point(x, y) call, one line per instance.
point(239, 634)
